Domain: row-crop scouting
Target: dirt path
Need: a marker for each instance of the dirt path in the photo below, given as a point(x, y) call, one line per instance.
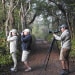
point(37, 62)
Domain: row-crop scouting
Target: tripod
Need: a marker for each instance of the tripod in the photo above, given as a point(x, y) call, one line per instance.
point(49, 52)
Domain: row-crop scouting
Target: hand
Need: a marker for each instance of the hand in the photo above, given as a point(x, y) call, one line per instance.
point(10, 34)
point(53, 34)
point(22, 33)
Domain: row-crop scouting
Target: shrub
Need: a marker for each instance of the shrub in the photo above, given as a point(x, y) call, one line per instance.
point(2, 46)
point(72, 53)
point(4, 54)
point(5, 59)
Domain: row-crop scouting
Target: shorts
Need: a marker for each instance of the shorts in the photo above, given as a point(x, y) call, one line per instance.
point(25, 56)
point(64, 54)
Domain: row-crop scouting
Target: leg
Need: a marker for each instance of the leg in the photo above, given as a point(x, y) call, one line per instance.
point(67, 65)
point(64, 57)
point(63, 64)
point(24, 60)
point(26, 64)
point(15, 61)
point(67, 59)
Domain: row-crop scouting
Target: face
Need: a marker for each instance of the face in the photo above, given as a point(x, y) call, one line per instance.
point(13, 34)
point(25, 33)
point(62, 29)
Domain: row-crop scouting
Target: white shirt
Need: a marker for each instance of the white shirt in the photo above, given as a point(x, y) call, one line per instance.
point(13, 43)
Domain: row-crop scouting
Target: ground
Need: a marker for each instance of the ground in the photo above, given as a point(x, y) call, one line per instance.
point(38, 59)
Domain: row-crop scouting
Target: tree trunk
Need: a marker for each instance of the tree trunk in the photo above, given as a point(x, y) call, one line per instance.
point(4, 11)
point(10, 21)
point(23, 16)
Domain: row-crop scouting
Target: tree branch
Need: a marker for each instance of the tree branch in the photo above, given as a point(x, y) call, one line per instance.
point(28, 9)
point(32, 19)
point(15, 5)
point(60, 6)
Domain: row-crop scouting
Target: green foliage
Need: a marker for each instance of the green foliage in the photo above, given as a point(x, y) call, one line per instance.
point(5, 60)
point(48, 38)
point(2, 34)
point(4, 56)
point(2, 46)
point(72, 54)
point(2, 42)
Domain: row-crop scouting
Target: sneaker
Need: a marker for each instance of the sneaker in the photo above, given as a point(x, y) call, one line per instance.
point(28, 69)
point(13, 69)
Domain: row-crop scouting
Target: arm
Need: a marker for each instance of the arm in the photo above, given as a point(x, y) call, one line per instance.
point(9, 38)
point(57, 37)
point(26, 38)
point(62, 37)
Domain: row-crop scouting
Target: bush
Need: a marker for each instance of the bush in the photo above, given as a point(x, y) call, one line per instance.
point(4, 55)
point(49, 37)
point(5, 59)
point(2, 46)
point(72, 53)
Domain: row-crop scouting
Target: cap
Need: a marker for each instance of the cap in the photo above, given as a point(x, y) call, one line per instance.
point(63, 26)
point(26, 30)
point(14, 31)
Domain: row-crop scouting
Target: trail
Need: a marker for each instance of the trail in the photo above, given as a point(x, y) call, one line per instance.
point(37, 61)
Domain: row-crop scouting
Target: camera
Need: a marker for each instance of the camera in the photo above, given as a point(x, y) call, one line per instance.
point(54, 31)
point(10, 34)
point(22, 33)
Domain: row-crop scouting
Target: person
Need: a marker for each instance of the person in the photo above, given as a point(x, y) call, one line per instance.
point(26, 40)
point(65, 38)
point(12, 38)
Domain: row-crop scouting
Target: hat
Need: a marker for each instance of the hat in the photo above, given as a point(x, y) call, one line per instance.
point(63, 26)
point(26, 30)
point(14, 31)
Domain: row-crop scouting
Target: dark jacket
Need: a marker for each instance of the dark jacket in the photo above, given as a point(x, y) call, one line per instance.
point(26, 42)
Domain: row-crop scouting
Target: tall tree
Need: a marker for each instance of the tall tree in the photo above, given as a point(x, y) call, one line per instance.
point(25, 11)
point(4, 12)
point(10, 22)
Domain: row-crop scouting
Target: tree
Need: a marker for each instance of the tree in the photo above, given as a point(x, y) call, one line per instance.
point(66, 11)
point(10, 16)
point(4, 12)
point(24, 13)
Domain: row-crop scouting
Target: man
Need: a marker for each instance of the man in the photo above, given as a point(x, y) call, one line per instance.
point(12, 38)
point(26, 39)
point(65, 48)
